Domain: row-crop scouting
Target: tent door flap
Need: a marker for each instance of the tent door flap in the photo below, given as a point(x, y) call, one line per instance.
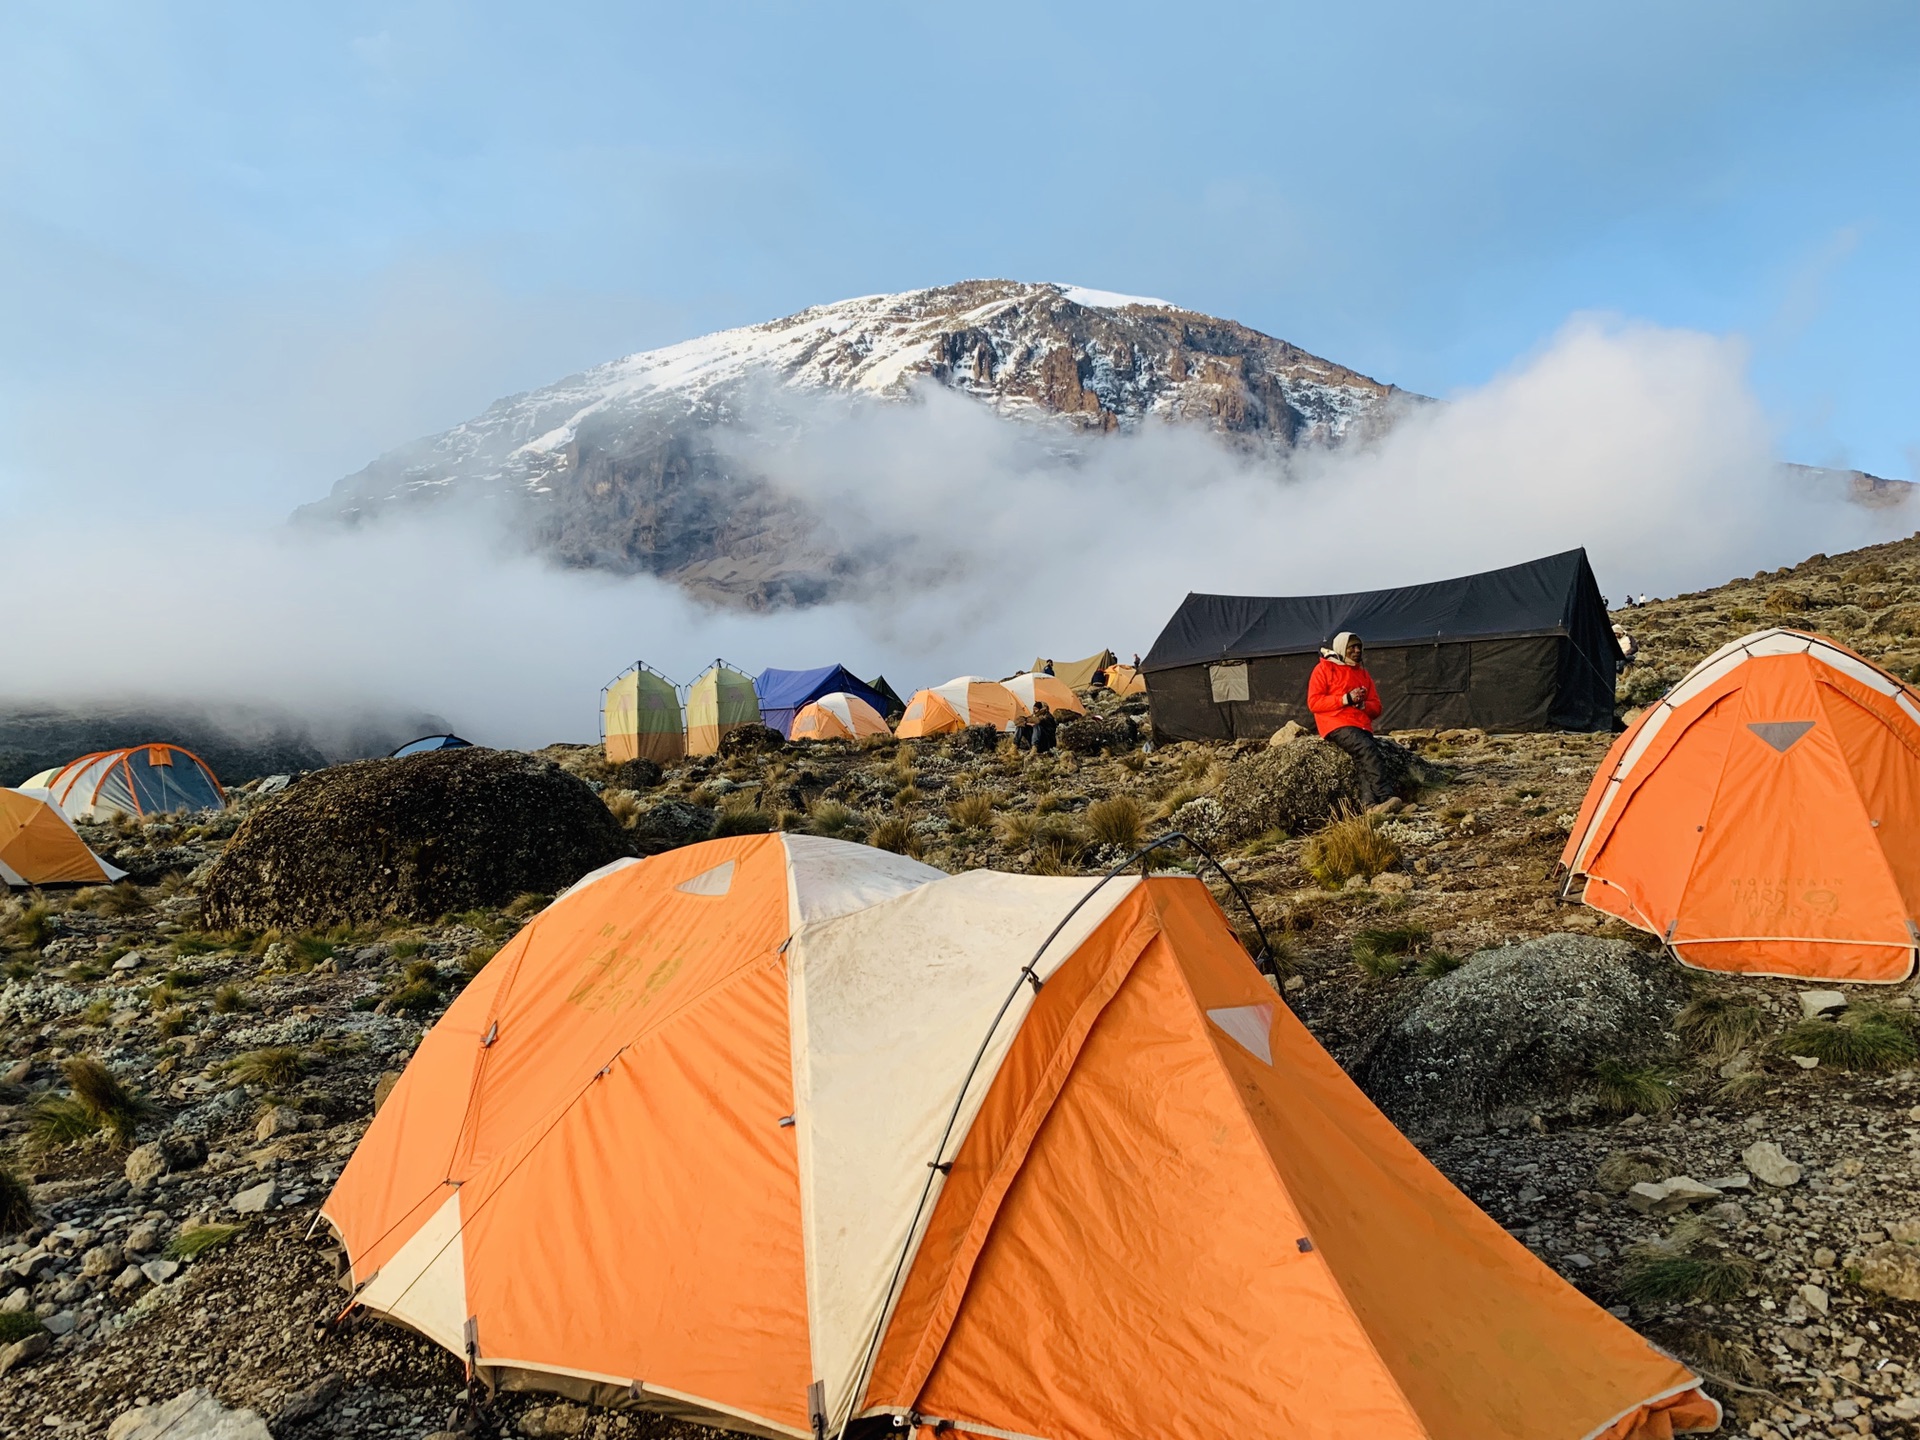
point(1229, 682)
point(1439, 669)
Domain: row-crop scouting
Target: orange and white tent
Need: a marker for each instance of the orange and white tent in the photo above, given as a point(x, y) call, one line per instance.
point(39, 846)
point(1764, 818)
point(838, 716)
point(777, 1132)
point(969, 700)
point(139, 780)
point(1052, 692)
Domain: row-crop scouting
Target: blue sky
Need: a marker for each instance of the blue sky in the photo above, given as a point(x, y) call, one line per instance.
point(243, 248)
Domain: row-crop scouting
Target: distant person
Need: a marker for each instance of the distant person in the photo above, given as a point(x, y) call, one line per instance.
point(1047, 669)
point(1628, 649)
point(1136, 659)
point(1345, 703)
point(1099, 680)
point(1643, 597)
point(1045, 727)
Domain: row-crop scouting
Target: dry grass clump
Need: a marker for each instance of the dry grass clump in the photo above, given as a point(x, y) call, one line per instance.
point(16, 1205)
point(1383, 953)
point(98, 1106)
point(125, 898)
point(527, 903)
point(742, 820)
point(1785, 601)
point(25, 924)
point(1117, 822)
point(228, 999)
point(475, 960)
point(1350, 847)
point(1866, 1037)
point(1439, 963)
point(623, 805)
point(834, 820)
point(190, 1244)
point(895, 834)
point(1691, 1263)
point(272, 1068)
point(1624, 1089)
point(1720, 1022)
point(973, 811)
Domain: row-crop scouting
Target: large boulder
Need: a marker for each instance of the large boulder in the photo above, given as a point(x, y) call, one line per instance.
point(416, 838)
point(1299, 787)
point(1519, 1029)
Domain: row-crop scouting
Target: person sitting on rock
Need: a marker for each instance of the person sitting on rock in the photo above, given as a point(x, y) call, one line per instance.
point(1345, 703)
point(1045, 727)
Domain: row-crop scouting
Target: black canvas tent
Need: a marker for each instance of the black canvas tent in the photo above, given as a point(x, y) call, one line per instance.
point(1529, 647)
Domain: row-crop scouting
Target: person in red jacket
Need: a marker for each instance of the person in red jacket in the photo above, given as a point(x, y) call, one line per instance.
point(1345, 703)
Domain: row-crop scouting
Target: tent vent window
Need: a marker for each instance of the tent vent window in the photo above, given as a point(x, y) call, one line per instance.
point(716, 881)
point(1250, 1026)
point(1782, 735)
point(1229, 683)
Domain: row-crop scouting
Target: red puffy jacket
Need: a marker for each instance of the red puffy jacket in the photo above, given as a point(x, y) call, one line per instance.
point(1327, 697)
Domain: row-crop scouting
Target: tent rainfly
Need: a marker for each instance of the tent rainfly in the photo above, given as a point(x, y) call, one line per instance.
point(1048, 688)
point(722, 699)
point(140, 780)
point(895, 705)
point(640, 718)
point(837, 717)
point(883, 1144)
point(969, 700)
point(1078, 674)
point(431, 742)
point(1529, 647)
point(39, 846)
point(1764, 818)
point(783, 693)
point(1125, 680)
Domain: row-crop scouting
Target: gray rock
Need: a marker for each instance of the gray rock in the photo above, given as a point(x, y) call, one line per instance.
point(1298, 788)
point(1287, 734)
point(255, 1199)
point(1769, 1165)
point(21, 1351)
point(61, 1322)
point(278, 1120)
point(191, 1415)
point(1669, 1197)
point(304, 1404)
point(160, 1271)
point(129, 1279)
point(101, 1260)
point(1519, 1028)
point(1815, 1004)
point(1739, 1180)
point(145, 1164)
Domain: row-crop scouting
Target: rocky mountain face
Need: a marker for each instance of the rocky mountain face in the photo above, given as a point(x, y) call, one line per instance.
point(626, 467)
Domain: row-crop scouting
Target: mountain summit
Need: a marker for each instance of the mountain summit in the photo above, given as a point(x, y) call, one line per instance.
point(623, 466)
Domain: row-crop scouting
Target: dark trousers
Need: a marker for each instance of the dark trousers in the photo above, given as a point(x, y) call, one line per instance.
point(1365, 755)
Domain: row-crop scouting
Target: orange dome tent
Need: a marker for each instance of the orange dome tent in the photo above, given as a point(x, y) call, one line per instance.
point(969, 700)
point(1764, 818)
point(838, 716)
point(1125, 680)
point(39, 846)
point(1047, 688)
point(777, 1132)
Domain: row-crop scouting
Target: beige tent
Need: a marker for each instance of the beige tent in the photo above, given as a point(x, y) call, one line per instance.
point(1077, 673)
point(722, 699)
point(640, 714)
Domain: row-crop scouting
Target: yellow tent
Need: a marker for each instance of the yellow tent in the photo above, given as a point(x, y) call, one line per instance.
point(1077, 673)
point(722, 699)
point(39, 846)
point(1125, 680)
point(640, 714)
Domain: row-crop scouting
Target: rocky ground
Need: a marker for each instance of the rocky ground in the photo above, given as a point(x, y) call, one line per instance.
point(175, 1102)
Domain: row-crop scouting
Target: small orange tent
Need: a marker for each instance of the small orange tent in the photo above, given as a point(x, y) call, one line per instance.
point(1049, 689)
point(39, 846)
point(778, 1133)
point(1125, 680)
point(957, 704)
point(838, 716)
point(1764, 818)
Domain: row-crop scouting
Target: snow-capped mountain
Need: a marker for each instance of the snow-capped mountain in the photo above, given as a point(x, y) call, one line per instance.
point(618, 467)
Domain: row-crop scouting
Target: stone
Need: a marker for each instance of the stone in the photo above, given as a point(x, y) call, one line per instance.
point(21, 1351)
point(1739, 1180)
point(253, 1200)
point(1519, 1027)
point(1769, 1165)
point(1815, 1297)
point(1392, 882)
point(562, 1419)
point(1814, 1004)
point(61, 1322)
point(383, 1087)
point(1806, 1062)
point(1298, 788)
point(17, 1300)
point(17, 1073)
point(1825, 1259)
point(1669, 1197)
point(1287, 733)
point(145, 1164)
point(1622, 1169)
point(129, 1279)
point(191, 1415)
point(132, 960)
point(310, 1401)
point(144, 1238)
point(101, 1260)
point(1892, 1268)
point(278, 1120)
point(1295, 984)
point(160, 1271)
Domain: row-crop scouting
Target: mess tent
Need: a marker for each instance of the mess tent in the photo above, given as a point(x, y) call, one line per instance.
point(984, 1154)
point(39, 846)
point(1528, 647)
point(139, 780)
point(784, 693)
point(837, 717)
point(1764, 817)
point(721, 700)
point(1077, 674)
point(1049, 689)
point(640, 717)
point(428, 743)
point(954, 706)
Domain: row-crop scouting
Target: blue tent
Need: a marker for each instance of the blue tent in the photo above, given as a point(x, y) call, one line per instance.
point(784, 693)
point(430, 742)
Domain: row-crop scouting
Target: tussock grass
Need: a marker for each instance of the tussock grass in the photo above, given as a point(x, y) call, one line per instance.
point(229, 999)
point(412, 998)
point(406, 949)
point(190, 1244)
point(99, 1010)
point(624, 805)
point(1118, 822)
point(124, 898)
point(272, 1068)
point(1350, 847)
point(894, 834)
point(1784, 601)
point(26, 926)
point(1623, 1089)
point(475, 960)
point(742, 820)
point(169, 1023)
point(1439, 963)
point(971, 812)
point(17, 1325)
point(1866, 1037)
point(98, 1106)
point(16, 1205)
point(906, 797)
point(528, 903)
point(1383, 953)
point(834, 820)
point(1654, 1279)
point(1720, 1022)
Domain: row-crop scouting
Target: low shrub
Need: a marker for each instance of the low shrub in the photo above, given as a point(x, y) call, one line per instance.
point(16, 1325)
